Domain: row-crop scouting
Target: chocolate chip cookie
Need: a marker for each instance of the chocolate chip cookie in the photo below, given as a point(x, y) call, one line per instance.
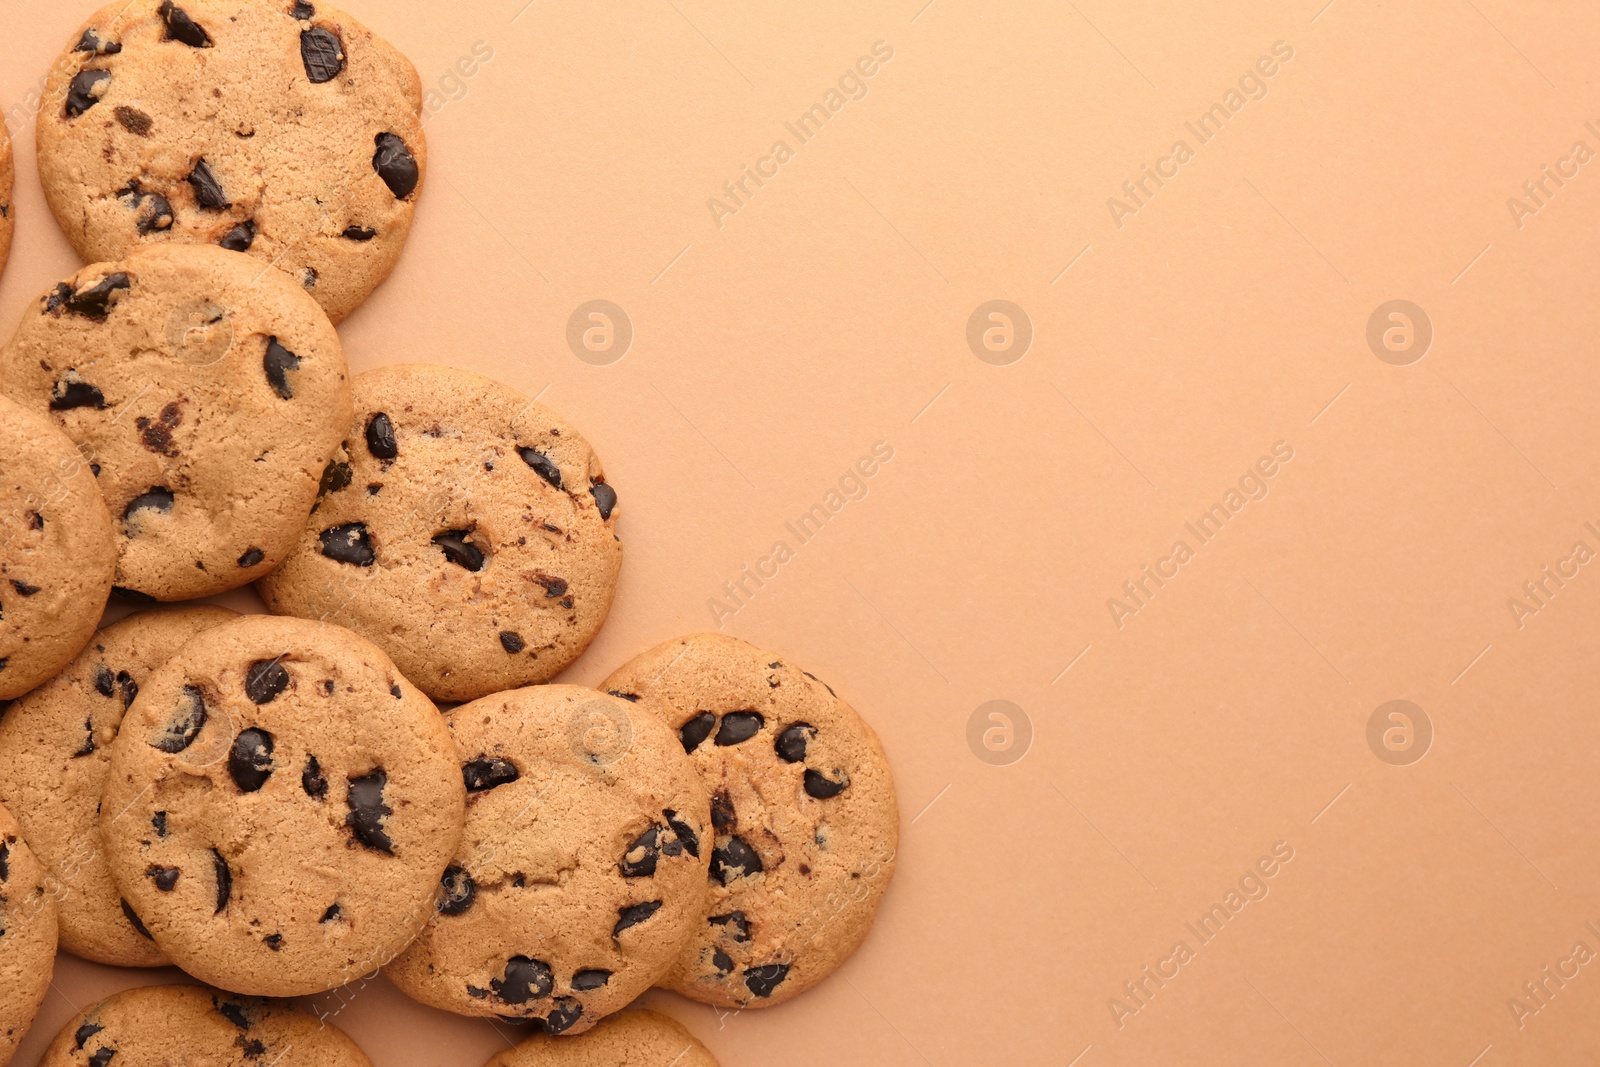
point(158, 1026)
point(631, 1039)
point(8, 222)
point(55, 752)
point(208, 396)
point(465, 529)
point(57, 554)
point(803, 806)
point(280, 807)
point(28, 915)
point(281, 130)
point(581, 875)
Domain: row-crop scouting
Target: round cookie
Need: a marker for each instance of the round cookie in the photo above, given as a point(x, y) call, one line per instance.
point(28, 914)
point(631, 1039)
point(57, 553)
point(208, 396)
point(463, 528)
point(804, 809)
point(280, 807)
point(280, 129)
point(156, 1026)
point(8, 222)
point(581, 874)
point(55, 752)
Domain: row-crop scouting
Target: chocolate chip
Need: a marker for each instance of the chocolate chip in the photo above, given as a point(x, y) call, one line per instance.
point(207, 190)
point(394, 691)
point(459, 891)
point(155, 211)
point(639, 861)
point(250, 761)
point(723, 817)
point(87, 748)
point(156, 433)
point(265, 679)
point(23, 588)
point(275, 943)
point(234, 1013)
point(736, 927)
point(312, 781)
point(185, 725)
point(132, 596)
point(734, 860)
point(542, 465)
point(105, 681)
point(824, 788)
point(180, 27)
point(278, 362)
point(632, 698)
point(685, 832)
point(165, 878)
point(331, 914)
point(95, 301)
point(475, 993)
point(335, 476)
point(129, 687)
point(358, 233)
point(322, 54)
point(254, 1049)
point(133, 120)
point(605, 498)
point(367, 811)
point(251, 557)
point(5, 858)
point(67, 395)
point(102, 1057)
point(224, 880)
point(696, 730)
point(308, 278)
point(460, 551)
point(91, 41)
point(85, 91)
point(348, 544)
point(763, 980)
point(158, 500)
point(525, 980)
point(128, 913)
point(240, 238)
point(87, 1030)
point(511, 642)
point(487, 772)
point(791, 744)
point(738, 727)
point(553, 587)
point(302, 10)
point(722, 962)
point(380, 437)
point(396, 165)
point(633, 915)
point(584, 981)
point(563, 1015)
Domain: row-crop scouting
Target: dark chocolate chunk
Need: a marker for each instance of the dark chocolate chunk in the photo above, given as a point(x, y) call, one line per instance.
point(459, 891)
point(396, 165)
point(511, 642)
point(250, 761)
point(487, 772)
point(129, 687)
point(155, 212)
point(722, 962)
point(88, 746)
point(632, 698)
point(159, 822)
point(723, 817)
point(185, 724)
point(322, 53)
point(156, 433)
point(312, 780)
point(348, 544)
point(207, 190)
point(459, 550)
point(102, 1057)
point(274, 942)
point(105, 681)
point(87, 1030)
point(380, 437)
point(85, 91)
point(138, 924)
point(605, 499)
point(553, 587)
point(394, 691)
point(367, 811)
point(763, 980)
point(159, 499)
point(791, 743)
point(735, 926)
point(639, 861)
point(95, 301)
point(180, 27)
point(5, 861)
point(251, 557)
point(696, 730)
point(822, 787)
point(234, 1013)
point(91, 41)
point(633, 915)
point(331, 914)
point(134, 121)
point(739, 726)
point(525, 980)
point(685, 832)
point(734, 860)
point(224, 880)
point(265, 679)
point(475, 993)
point(335, 476)
point(565, 1012)
point(594, 978)
point(67, 395)
point(302, 10)
point(542, 465)
point(278, 362)
point(23, 588)
point(358, 233)
point(240, 238)
point(165, 878)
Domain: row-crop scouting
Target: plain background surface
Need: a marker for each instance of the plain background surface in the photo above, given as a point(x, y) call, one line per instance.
point(1228, 313)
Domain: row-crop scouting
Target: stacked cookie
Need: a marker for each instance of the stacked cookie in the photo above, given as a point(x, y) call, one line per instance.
point(274, 803)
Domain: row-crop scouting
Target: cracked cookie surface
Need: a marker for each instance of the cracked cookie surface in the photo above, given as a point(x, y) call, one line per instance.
point(28, 914)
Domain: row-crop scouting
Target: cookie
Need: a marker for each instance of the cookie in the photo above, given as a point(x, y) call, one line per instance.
point(631, 1039)
point(28, 914)
point(466, 530)
point(57, 554)
point(207, 394)
point(581, 875)
point(55, 752)
point(281, 130)
point(7, 178)
point(154, 1026)
point(280, 807)
point(803, 805)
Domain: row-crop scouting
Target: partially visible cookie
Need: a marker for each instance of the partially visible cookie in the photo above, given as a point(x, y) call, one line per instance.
point(281, 130)
point(57, 555)
point(465, 529)
point(27, 936)
point(55, 753)
point(631, 1039)
point(281, 806)
point(162, 1026)
point(804, 807)
point(581, 875)
point(207, 393)
point(8, 222)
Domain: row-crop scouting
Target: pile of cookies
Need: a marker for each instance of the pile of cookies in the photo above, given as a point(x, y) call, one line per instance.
point(276, 803)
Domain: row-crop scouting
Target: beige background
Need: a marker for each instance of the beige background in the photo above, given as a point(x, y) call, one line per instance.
point(1227, 314)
